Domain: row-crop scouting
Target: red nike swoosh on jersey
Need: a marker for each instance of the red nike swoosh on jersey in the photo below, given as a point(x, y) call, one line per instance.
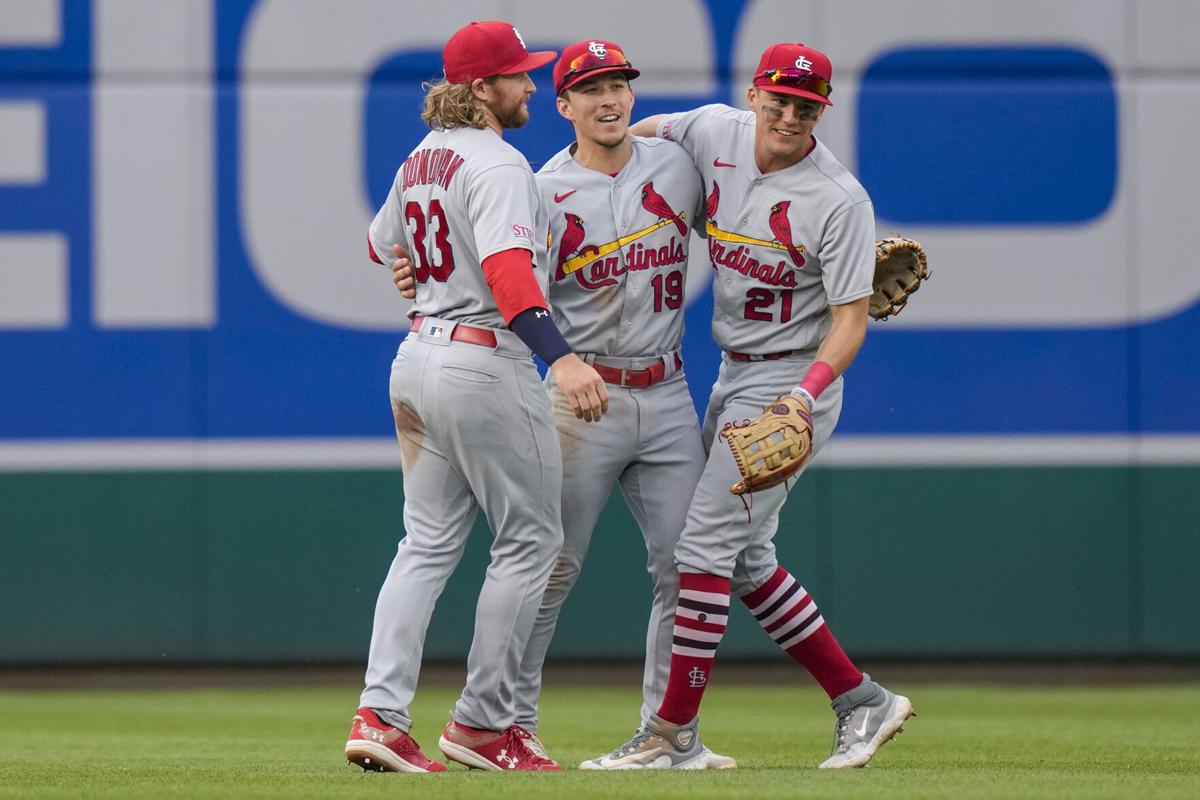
point(558, 198)
point(719, 163)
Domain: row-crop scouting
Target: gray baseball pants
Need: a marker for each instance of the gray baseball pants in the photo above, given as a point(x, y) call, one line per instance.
point(475, 431)
point(649, 444)
point(724, 536)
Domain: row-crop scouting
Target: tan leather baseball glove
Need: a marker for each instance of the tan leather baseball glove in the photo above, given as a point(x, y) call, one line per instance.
point(772, 448)
point(900, 266)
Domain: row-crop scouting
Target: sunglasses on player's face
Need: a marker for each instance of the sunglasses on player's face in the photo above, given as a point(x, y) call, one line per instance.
point(799, 79)
point(589, 61)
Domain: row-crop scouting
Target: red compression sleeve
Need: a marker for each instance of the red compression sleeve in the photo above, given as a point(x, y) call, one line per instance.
point(371, 251)
point(817, 379)
point(509, 274)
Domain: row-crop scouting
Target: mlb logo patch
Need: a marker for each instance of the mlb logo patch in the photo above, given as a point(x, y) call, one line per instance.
point(436, 330)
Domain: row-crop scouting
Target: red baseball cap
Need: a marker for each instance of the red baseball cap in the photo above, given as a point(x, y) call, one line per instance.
point(584, 60)
point(484, 49)
point(795, 69)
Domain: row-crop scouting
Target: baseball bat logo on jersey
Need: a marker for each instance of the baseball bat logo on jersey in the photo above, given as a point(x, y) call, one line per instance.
point(738, 258)
point(573, 255)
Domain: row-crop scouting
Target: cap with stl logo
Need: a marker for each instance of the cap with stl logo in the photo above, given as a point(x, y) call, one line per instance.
point(484, 49)
point(584, 60)
point(797, 70)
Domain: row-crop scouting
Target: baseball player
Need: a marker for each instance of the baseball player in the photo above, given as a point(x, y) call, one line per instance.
point(471, 414)
point(621, 209)
point(791, 237)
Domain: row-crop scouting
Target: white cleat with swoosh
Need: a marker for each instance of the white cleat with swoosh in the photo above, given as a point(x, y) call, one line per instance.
point(867, 716)
point(659, 744)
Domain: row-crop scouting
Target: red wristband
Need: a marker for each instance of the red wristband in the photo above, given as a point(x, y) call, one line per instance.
point(817, 379)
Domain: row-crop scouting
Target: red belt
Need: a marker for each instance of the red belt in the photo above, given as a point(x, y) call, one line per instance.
point(636, 378)
point(463, 333)
point(763, 357)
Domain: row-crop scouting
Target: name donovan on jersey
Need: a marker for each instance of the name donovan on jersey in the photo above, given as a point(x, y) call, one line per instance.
point(436, 165)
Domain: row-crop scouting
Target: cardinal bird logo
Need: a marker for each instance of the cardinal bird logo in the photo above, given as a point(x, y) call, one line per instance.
point(711, 203)
point(653, 202)
point(783, 230)
point(570, 243)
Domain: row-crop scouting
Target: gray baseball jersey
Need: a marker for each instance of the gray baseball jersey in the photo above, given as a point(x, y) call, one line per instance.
point(618, 262)
point(463, 195)
point(619, 248)
point(474, 425)
point(785, 245)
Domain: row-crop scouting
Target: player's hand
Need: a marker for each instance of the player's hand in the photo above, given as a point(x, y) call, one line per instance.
point(583, 387)
point(402, 273)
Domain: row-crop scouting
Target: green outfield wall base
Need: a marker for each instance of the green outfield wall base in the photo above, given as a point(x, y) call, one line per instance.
point(904, 562)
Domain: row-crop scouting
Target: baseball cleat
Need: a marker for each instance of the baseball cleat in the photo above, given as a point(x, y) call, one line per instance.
point(534, 743)
point(378, 747)
point(867, 717)
point(513, 748)
point(659, 744)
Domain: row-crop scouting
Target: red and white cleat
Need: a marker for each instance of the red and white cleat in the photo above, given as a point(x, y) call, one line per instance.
point(513, 748)
point(376, 746)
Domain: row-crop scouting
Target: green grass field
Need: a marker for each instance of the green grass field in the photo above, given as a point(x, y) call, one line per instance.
point(966, 742)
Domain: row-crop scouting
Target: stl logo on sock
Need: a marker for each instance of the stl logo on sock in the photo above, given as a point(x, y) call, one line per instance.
point(697, 678)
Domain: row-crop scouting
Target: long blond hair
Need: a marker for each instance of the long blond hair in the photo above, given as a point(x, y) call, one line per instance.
point(452, 105)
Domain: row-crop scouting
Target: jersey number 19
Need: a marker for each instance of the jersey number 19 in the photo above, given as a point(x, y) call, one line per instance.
point(668, 290)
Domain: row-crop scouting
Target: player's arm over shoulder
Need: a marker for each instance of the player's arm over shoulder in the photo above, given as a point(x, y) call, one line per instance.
point(691, 125)
point(662, 149)
point(653, 127)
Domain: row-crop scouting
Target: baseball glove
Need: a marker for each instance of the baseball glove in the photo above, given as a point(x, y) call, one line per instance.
point(899, 269)
point(772, 448)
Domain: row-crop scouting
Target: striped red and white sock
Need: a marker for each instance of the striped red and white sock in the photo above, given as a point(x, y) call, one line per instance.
point(789, 616)
point(700, 620)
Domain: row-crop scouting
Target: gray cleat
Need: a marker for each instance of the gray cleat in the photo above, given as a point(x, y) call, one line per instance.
point(867, 716)
point(659, 744)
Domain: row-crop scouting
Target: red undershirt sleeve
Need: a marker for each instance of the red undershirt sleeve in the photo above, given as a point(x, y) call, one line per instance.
point(509, 274)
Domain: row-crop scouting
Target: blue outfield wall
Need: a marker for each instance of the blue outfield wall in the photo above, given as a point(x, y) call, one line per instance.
point(194, 350)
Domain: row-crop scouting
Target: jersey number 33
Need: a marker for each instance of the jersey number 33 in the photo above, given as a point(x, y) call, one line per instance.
point(434, 259)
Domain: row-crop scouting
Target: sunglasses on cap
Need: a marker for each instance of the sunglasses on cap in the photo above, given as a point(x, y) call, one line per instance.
point(589, 60)
point(799, 79)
